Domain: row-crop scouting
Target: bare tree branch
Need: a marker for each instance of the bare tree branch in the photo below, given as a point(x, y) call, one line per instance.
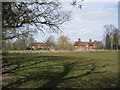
point(44, 16)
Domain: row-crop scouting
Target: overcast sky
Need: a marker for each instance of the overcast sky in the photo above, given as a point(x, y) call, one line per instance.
point(87, 23)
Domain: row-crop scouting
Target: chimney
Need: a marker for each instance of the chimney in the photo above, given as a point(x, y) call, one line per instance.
point(90, 40)
point(79, 39)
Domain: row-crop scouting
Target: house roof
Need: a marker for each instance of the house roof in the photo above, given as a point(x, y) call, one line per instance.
point(39, 43)
point(79, 43)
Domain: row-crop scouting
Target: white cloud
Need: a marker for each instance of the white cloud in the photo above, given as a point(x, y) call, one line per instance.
point(88, 22)
point(93, 14)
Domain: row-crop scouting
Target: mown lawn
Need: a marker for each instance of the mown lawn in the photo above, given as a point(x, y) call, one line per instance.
point(60, 70)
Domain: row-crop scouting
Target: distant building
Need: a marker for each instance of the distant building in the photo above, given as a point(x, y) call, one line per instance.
point(41, 46)
point(79, 45)
point(38, 45)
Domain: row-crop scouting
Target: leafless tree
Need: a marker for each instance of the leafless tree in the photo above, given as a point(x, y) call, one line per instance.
point(44, 16)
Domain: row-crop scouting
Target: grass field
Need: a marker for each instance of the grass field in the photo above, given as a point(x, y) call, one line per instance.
point(66, 70)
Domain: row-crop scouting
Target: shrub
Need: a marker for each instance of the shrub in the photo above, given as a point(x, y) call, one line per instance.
point(28, 48)
point(46, 48)
point(4, 52)
point(39, 49)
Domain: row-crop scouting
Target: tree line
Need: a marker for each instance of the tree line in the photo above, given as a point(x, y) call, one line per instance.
point(18, 44)
point(111, 41)
point(25, 43)
point(112, 37)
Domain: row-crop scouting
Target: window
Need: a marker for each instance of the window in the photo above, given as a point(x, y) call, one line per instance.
point(75, 46)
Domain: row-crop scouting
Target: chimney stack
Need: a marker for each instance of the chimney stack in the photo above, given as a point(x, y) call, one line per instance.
point(79, 39)
point(90, 40)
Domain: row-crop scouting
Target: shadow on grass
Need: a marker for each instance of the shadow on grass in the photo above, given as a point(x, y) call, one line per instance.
point(54, 78)
point(7, 62)
point(54, 81)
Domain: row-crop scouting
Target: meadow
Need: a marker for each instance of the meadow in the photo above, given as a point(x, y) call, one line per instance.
point(60, 70)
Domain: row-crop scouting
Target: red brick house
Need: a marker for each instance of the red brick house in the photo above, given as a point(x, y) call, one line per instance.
point(37, 45)
point(41, 46)
point(79, 45)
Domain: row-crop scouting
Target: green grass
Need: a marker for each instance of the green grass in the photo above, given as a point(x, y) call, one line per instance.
point(60, 70)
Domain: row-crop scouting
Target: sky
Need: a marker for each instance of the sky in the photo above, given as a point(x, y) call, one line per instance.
point(87, 23)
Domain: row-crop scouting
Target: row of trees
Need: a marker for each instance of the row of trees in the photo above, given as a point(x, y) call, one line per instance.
point(63, 43)
point(25, 43)
point(111, 37)
point(111, 41)
point(18, 44)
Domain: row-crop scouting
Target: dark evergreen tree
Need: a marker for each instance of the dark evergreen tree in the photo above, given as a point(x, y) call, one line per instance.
point(108, 42)
point(115, 40)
